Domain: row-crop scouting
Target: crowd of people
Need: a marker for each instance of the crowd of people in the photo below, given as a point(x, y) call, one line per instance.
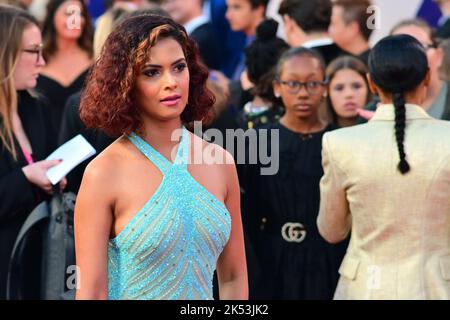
point(358, 208)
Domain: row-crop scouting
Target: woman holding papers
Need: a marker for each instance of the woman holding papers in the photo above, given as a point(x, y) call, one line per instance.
point(388, 182)
point(24, 138)
point(150, 223)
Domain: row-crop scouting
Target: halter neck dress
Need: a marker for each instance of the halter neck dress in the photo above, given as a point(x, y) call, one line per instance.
point(170, 248)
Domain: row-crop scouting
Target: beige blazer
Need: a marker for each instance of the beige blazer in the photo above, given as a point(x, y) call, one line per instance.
point(400, 224)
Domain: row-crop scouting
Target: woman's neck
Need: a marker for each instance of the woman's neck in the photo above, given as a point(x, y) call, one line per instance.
point(303, 125)
point(413, 97)
point(433, 92)
point(162, 135)
point(64, 46)
point(346, 122)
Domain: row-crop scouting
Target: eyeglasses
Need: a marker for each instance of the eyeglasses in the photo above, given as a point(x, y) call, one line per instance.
point(294, 87)
point(37, 51)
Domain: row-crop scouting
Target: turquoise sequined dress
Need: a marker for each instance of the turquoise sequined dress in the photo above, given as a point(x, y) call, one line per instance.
point(170, 248)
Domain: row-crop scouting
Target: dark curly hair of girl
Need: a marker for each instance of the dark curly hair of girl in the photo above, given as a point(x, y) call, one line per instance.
point(107, 102)
point(261, 58)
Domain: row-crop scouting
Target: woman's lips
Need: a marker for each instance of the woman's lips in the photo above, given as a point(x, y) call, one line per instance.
point(171, 101)
point(350, 106)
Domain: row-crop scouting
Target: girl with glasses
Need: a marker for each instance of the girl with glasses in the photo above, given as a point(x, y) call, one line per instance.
point(293, 261)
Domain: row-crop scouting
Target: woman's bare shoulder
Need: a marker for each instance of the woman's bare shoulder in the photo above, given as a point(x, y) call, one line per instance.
point(109, 165)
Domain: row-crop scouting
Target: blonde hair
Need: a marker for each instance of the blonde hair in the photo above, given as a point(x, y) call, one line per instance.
point(13, 22)
point(105, 25)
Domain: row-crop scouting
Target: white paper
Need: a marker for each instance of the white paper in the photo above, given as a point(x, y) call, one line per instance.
point(73, 152)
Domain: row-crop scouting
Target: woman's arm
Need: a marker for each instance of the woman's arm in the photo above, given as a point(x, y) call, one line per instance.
point(334, 220)
point(16, 191)
point(232, 266)
point(93, 221)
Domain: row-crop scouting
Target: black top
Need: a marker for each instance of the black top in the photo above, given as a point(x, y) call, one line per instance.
point(70, 127)
point(329, 52)
point(18, 196)
point(364, 57)
point(289, 267)
point(57, 95)
point(249, 120)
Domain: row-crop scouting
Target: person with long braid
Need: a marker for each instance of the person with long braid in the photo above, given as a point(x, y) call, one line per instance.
point(387, 182)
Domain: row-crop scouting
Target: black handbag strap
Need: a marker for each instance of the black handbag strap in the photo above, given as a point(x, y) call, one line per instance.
point(39, 213)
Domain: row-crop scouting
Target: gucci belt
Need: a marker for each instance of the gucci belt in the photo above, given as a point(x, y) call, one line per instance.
point(293, 232)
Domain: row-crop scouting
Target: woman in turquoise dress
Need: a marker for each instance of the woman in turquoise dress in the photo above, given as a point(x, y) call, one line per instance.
point(154, 219)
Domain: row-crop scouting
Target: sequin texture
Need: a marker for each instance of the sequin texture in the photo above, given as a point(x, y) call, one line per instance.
point(170, 248)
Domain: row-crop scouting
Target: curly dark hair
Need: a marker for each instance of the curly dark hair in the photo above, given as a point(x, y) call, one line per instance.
point(85, 41)
point(261, 57)
point(107, 101)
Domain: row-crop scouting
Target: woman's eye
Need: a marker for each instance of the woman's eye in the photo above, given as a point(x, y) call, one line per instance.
point(356, 86)
point(180, 67)
point(151, 73)
point(339, 88)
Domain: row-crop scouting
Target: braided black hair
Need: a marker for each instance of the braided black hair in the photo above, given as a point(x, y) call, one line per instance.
point(400, 124)
point(398, 64)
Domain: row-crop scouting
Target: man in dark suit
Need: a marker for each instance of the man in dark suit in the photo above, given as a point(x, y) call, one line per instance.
point(350, 27)
point(189, 13)
point(232, 43)
point(306, 24)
